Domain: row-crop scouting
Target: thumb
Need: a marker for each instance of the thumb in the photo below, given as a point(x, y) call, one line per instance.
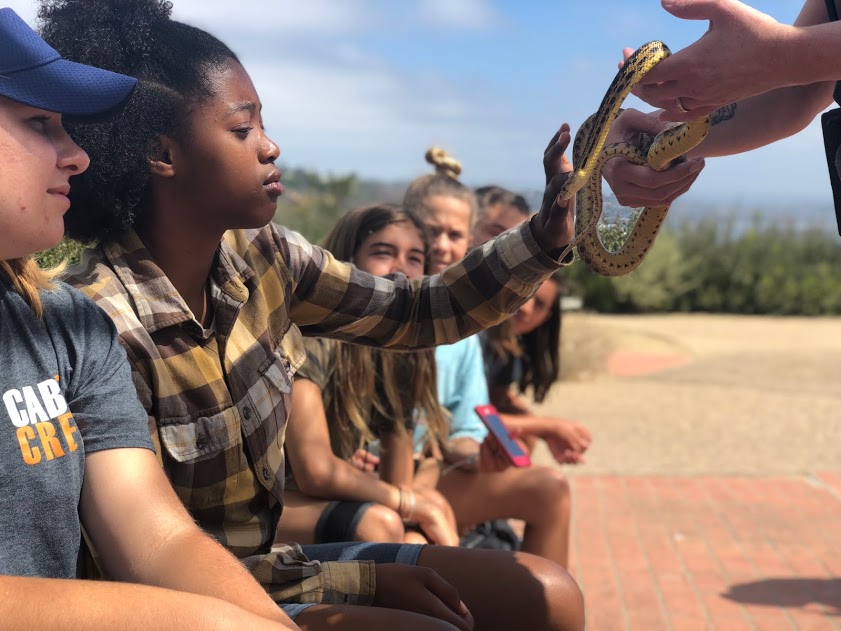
point(696, 9)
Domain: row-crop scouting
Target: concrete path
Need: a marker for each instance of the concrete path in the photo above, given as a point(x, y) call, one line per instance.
point(711, 498)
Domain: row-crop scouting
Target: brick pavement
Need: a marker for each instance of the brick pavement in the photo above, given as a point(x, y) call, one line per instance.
point(693, 553)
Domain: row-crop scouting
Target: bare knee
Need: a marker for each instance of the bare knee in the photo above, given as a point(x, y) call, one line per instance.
point(359, 618)
point(559, 595)
point(544, 496)
point(380, 524)
point(554, 488)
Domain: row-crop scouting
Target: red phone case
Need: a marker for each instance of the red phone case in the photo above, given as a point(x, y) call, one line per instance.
point(490, 417)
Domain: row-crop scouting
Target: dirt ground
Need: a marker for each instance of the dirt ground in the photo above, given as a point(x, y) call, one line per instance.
point(703, 394)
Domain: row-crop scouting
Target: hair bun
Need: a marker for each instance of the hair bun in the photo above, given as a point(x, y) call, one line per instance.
point(444, 163)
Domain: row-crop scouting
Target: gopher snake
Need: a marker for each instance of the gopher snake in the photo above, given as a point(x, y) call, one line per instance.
point(589, 157)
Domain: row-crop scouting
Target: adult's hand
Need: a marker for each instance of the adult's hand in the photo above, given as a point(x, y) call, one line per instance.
point(422, 590)
point(639, 186)
point(744, 53)
point(553, 227)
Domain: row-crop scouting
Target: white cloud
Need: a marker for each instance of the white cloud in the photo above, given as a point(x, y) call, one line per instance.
point(276, 16)
point(371, 119)
point(459, 14)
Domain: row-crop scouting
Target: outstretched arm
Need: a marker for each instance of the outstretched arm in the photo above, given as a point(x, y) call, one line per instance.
point(144, 535)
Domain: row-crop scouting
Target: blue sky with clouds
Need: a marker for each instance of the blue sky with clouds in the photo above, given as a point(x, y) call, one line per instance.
point(365, 86)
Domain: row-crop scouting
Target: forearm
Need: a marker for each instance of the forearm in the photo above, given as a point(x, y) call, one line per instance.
point(397, 464)
point(77, 604)
point(346, 482)
point(193, 562)
point(527, 424)
point(763, 119)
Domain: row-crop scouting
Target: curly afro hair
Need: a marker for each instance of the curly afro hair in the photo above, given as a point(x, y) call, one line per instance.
point(172, 61)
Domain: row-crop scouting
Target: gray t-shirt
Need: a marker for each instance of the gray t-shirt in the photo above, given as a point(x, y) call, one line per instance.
point(66, 391)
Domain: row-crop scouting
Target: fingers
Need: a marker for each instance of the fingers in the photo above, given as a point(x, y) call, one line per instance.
point(564, 129)
point(436, 520)
point(448, 606)
point(638, 186)
point(553, 187)
point(697, 9)
point(439, 532)
point(584, 435)
point(365, 460)
point(631, 122)
point(491, 458)
point(553, 156)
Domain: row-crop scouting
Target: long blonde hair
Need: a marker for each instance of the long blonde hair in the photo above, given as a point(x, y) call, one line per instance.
point(393, 385)
point(28, 279)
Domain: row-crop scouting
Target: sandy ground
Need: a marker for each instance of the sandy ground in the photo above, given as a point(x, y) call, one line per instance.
point(728, 395)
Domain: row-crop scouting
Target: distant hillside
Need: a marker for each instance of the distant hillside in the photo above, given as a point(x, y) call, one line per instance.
point(313, 202)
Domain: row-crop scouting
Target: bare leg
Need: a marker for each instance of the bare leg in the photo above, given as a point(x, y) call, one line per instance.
point(302, 512)
point(358, 618)
point(510, 591)
point(539, 496)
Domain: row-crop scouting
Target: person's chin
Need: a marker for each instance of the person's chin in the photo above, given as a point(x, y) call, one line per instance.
point(259, 217)
point(437, 268)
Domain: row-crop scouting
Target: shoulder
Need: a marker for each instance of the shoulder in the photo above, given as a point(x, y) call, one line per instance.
point(98, 281)
point(270, 245)
point(69, 308)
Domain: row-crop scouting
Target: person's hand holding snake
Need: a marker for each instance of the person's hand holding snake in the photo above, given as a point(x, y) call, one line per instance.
point(638, 186)
point(744, 53)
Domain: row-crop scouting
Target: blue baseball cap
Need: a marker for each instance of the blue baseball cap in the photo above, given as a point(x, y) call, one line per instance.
point(32, 72)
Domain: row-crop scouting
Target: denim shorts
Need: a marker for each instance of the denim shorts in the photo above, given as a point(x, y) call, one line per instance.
point(377, 552)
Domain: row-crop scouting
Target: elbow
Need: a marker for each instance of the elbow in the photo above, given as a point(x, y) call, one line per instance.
point(314, 480)
point(808, 102)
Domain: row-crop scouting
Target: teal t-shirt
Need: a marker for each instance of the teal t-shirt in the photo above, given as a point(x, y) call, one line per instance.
point(66, 391)
point(461, 387)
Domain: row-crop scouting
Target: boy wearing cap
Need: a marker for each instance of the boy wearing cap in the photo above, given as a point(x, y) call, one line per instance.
point(75, 451)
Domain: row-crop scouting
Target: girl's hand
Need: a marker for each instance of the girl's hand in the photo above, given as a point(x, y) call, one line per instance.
point(435, 516)
point(567, 440)
point(491, 457)
point(365, 461)
point(553, 226)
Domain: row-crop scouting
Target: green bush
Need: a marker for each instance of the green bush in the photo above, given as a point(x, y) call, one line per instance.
point(709, 265)
point(68, 250)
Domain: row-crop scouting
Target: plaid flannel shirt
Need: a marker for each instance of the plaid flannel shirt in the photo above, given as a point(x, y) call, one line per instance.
point(218, 399)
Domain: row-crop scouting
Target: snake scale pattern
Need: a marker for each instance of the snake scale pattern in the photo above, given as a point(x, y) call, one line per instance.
point(589, 156)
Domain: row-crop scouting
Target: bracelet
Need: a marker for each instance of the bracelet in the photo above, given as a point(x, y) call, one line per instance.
point(406, 507)
point(400, 502)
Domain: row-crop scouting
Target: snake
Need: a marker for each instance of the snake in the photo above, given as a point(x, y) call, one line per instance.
point(589, 156)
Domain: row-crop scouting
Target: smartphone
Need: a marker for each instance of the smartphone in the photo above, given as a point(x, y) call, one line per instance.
point(512, 449)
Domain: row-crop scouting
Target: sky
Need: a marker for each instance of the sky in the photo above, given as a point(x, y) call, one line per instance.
point(366, 86)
